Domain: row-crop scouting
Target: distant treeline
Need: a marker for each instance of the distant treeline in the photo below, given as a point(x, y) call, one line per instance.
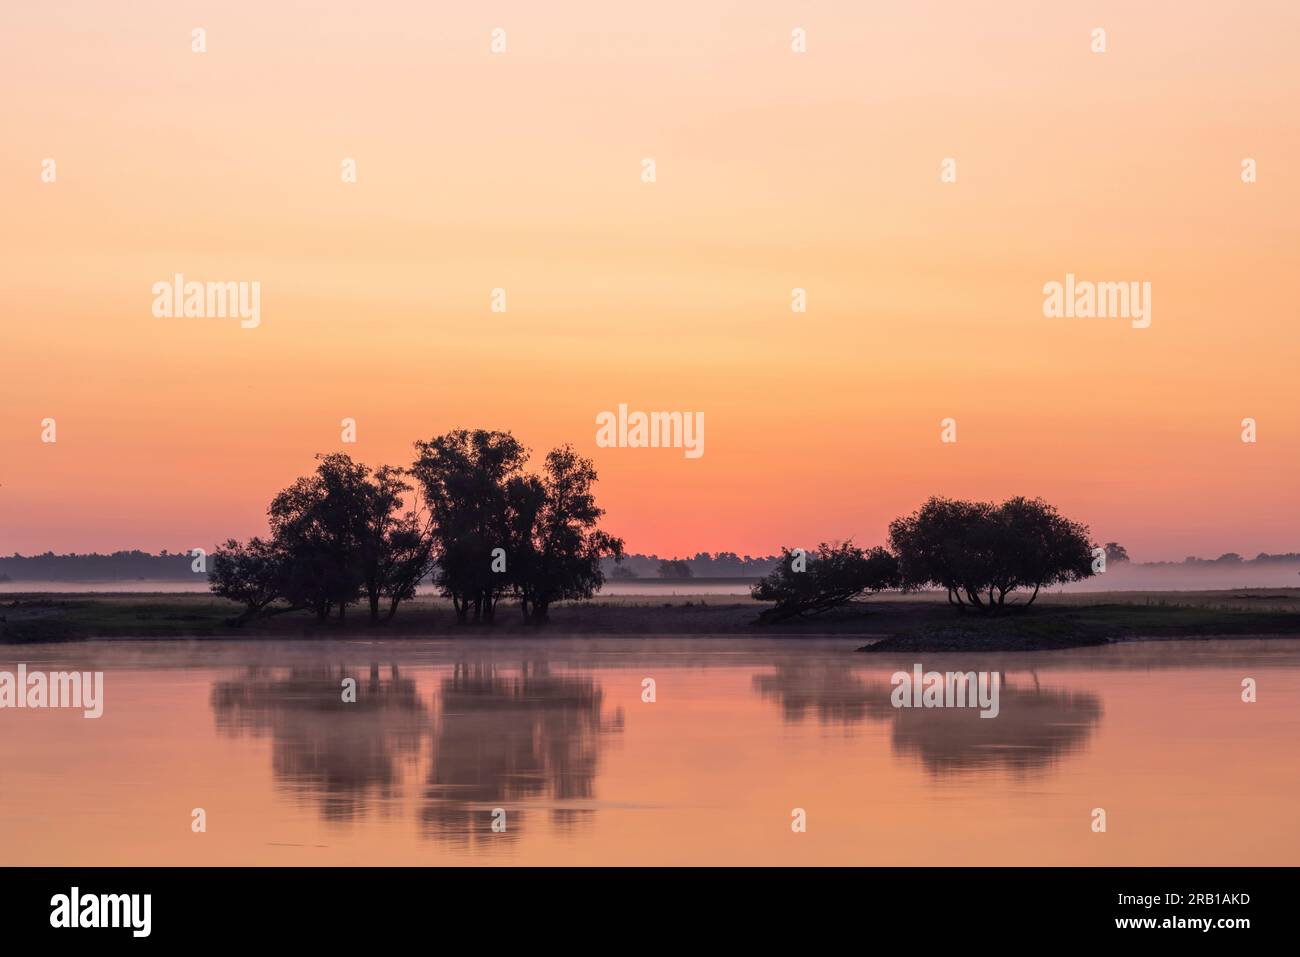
point(1231, 558)
point(700, 565)
point(136, 565)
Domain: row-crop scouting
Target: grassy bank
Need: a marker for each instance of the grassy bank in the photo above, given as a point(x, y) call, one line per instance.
point(892, 623)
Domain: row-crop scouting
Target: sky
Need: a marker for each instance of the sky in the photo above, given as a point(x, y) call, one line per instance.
point(522, 170)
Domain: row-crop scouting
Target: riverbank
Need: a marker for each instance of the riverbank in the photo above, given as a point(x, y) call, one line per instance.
point(890, 623)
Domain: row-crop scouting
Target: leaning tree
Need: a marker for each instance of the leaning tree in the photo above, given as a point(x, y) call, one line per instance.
point(804, 585)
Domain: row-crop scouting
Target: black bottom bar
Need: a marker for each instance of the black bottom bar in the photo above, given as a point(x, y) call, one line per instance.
point(580, 907)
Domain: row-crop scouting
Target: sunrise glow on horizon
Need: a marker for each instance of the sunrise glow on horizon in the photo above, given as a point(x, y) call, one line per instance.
point(774, 172)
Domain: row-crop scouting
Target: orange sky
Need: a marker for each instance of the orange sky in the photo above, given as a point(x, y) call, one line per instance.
point(775, 170)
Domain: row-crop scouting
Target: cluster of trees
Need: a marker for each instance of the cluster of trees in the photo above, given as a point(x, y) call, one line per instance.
point(466, 511)
point(675, 568)
point(977, 551)
point(336, 536)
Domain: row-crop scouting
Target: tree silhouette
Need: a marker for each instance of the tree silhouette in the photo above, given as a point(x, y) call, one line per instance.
point(336, 534)
point(250, 574)
point(396, 547)
point(464, 476)
point(833, 576)
point(556, 548)
point(980, 552)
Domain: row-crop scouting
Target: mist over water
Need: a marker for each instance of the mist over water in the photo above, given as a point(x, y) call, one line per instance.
point(1125, 576)
point(1129, 576)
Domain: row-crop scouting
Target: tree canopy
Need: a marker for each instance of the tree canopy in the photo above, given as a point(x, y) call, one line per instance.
point(980, 552)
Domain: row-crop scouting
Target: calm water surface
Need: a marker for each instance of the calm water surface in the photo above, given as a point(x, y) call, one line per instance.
point(555, 732)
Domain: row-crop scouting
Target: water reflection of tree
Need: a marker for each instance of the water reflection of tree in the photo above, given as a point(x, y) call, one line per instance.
point(345, 756)
point(1035, 726)
point(508, 737)
point(503, 737)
